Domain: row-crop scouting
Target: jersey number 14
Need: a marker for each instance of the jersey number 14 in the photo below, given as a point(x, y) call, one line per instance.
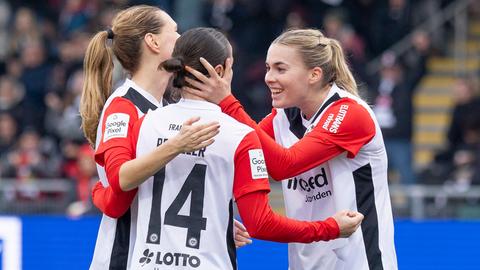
point(195, 222)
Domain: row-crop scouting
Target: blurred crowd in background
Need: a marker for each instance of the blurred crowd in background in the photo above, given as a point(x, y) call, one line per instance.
point(42, 45)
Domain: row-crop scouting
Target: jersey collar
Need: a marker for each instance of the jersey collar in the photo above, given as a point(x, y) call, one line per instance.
point(129, 83)
point(198, 104)
point(333, 95)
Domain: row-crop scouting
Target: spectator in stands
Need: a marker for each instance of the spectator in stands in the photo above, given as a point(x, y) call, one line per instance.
point(12, 98)
point(34, 74)
point(415, 59)
point(463, 134)
point(62, 118)
point(390, 24)
point(8, 134)
point(392, 101)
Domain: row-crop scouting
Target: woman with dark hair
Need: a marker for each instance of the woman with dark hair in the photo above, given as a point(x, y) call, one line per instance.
point(185, 215)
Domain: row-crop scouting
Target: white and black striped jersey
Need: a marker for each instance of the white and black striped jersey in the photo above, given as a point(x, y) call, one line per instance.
point(355, 180)
point(185, 217)
point(116, 237)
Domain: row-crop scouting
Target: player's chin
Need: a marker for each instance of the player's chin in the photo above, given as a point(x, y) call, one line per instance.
point(279, 103)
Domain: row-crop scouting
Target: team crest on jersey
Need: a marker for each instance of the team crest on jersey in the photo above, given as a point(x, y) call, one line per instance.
point(333, 123)
point(116, 126)
point(257, 164)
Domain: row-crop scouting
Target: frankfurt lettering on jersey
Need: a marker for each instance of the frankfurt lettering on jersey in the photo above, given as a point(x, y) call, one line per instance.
point(175, 127)
point(170, 259)
point(338, 119)
point(116, 126)
point(257, 164)
point(197, 153)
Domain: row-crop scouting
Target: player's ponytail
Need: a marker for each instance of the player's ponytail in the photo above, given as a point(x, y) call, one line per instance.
point(98, 69)
point(176, 66)
point(343, 76)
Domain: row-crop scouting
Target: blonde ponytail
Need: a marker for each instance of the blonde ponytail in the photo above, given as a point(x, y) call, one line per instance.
point(343, 76)
point(97, 68)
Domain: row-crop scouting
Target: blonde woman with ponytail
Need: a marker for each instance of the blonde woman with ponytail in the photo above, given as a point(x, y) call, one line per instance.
point(141, 38)
point(325, 145)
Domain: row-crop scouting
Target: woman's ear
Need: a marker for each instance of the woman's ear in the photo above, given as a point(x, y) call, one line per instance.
point(316, 75)
point(151, 42)
point(220, 70)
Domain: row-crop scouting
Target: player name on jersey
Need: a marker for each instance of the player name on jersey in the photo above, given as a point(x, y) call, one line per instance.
point(197, 153)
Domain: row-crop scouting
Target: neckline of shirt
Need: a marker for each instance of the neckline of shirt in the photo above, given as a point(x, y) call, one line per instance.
point(198, 104)
point(332, 91)
point(129, 83)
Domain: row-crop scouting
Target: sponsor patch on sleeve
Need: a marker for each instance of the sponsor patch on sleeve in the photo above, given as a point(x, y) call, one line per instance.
point(257, 164)
point(116, 126)
point(333, 122)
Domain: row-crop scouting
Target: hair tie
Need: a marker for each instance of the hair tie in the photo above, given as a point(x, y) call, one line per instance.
point(323, 41)
point(110, 33)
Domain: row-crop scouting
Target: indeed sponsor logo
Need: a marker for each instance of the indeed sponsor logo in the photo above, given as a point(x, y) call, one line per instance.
point(313, 182)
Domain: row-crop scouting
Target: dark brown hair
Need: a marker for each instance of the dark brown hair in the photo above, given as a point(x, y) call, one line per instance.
point(190, 46)
point(129, 27)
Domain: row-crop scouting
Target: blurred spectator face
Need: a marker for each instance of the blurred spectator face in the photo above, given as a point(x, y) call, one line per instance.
point(33, 54)
point(14, 67)
point(73, 6)
point(295, 19)
point(333, 25)
point(8, 128)
point(29, 141)
point(421, 41)
point(106, 17)
point(462, 91)
point(24, 21)
point(75, 83)
point(10, 92)
point(74, 49)
point(391, 70)
point(396, 4)
point(70, 150)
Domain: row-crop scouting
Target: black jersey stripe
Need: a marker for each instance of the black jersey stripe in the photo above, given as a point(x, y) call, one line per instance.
point(155, 221)
point(121, 244)
point(140, 101)
point(332, 99)
point(232, 251)
point(294, 117)
point(366, 205)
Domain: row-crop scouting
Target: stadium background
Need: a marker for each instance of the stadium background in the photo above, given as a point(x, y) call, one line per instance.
point(427, 51)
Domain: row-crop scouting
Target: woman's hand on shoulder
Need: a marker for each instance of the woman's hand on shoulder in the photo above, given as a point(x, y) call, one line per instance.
point(194, 137)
